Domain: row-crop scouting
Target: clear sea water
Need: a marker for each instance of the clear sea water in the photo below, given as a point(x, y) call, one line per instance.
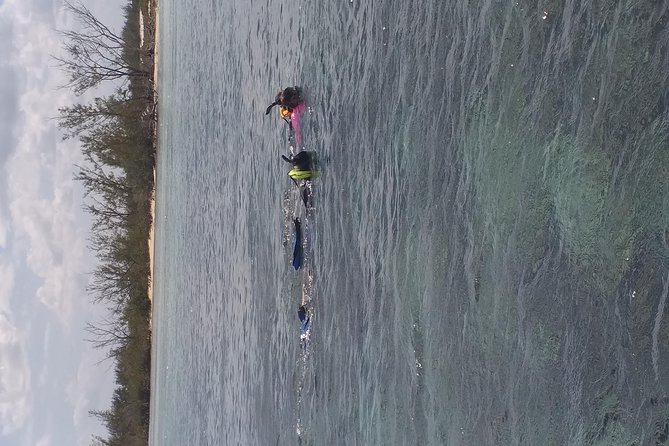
point(489, 256)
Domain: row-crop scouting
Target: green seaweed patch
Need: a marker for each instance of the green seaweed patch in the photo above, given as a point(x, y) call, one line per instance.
point(608, 428)
point(661, 430)
point(578, 181)
point(547, 345)
point(503, 169)
point(650, 180)
point(494, 320)
point(598, 238)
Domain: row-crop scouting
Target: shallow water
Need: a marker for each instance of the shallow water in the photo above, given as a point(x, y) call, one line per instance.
point(489, 239)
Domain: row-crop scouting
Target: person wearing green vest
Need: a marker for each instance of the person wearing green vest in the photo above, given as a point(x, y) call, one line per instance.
point(303, 166)
point(297, 174)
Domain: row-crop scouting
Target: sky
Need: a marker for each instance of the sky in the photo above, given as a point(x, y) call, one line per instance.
point(49, 376)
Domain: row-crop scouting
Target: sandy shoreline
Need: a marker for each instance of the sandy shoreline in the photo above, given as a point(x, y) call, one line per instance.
point(153, 11)
point(150, 242)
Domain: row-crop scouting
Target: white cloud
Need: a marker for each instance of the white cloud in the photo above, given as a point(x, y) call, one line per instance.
point(47, 228)
point(44, 441)
point(15, 404)
point(44, 374)
point(3, 230)
point(43, 201)
point(90, 390)
point(6, 286)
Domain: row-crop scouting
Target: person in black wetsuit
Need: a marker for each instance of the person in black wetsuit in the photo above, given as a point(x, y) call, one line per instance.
point(303, 169)
point(304, 160)
point(290, 98)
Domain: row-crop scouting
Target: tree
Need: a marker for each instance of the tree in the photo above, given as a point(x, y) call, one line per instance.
point(105, 183)
point(99, 441)
point(112, 285)
point(81, 119)
point(96, 54)
point(106, 215)
point(109, 144)
point(109, 334)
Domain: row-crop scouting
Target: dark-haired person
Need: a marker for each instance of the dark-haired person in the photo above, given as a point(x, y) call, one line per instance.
point(287, 99)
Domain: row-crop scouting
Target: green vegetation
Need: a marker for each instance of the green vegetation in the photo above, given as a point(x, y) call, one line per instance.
point(117, 136)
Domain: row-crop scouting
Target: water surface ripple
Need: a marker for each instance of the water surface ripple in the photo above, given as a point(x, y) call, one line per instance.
point(490, 245)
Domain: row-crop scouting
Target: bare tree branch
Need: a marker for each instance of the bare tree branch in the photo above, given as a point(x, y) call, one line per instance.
point(108, 335)
point(96, 54)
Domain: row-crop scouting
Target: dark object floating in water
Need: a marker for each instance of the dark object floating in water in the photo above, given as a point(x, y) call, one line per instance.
point(297, 250)
point(305, 319)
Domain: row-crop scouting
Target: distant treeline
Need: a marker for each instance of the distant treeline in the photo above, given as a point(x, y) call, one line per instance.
point(117, 136)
